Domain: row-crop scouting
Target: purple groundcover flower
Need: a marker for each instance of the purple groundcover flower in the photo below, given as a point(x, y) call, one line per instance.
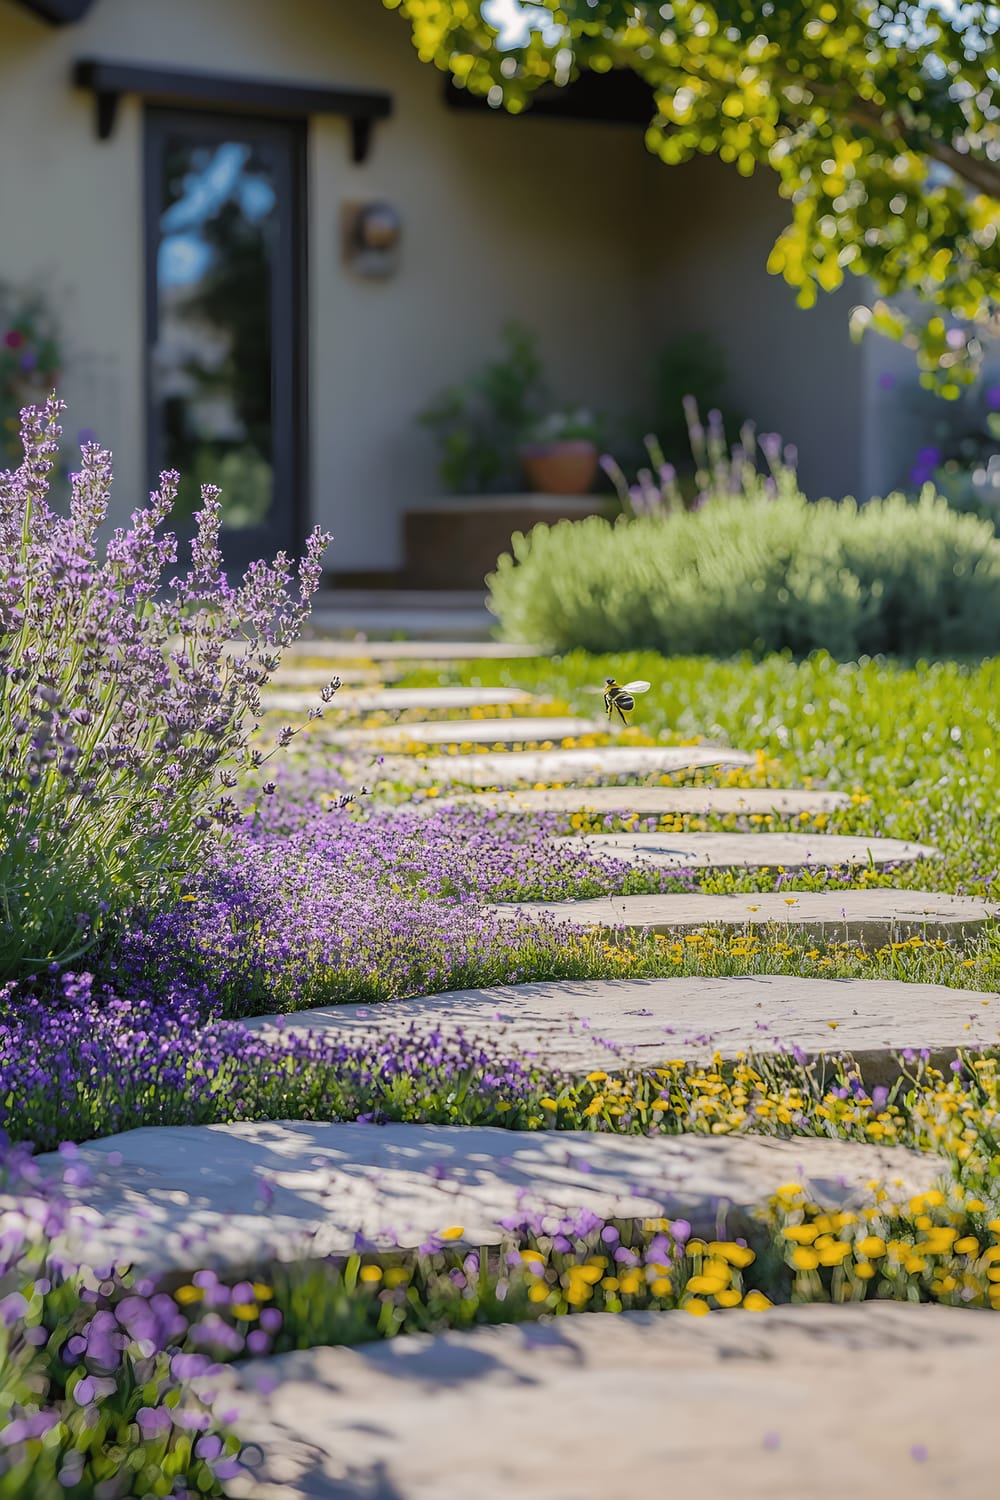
point(172, 1061)
point(306, 907)
point(81, 1342)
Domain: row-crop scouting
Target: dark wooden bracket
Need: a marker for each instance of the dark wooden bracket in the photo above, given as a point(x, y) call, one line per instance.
point(361, 137)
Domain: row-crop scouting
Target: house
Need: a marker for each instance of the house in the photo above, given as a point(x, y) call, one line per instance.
point(184, 179)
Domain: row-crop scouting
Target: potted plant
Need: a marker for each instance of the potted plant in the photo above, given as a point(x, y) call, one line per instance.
point(495, 422)
point(478, 424)
point(560, 454)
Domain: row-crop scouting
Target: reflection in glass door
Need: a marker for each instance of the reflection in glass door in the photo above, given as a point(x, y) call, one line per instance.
point(223, 281)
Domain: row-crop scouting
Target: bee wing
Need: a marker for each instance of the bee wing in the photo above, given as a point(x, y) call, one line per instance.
point(600, 691)
point(636, 687)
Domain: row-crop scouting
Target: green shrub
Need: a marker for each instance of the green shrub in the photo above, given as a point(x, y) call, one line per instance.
point(891, 576)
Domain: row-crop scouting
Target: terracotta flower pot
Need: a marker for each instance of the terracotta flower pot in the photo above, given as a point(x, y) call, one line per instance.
point(565, 468)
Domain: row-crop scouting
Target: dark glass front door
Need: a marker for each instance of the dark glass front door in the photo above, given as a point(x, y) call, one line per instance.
point(224, 282)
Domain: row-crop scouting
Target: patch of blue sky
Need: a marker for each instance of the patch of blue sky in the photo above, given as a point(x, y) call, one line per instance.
point(515, 22)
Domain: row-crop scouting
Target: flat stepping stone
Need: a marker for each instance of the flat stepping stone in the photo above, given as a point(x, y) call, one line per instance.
point(422, 651)
point(825, 1400)
point(873, 916)
point(183, 1196)
point(318, 677)
point(579, 1025)
point(751, 851)
point(508, 731)
point(391, 700)
point(515, 766)
point(653, 801)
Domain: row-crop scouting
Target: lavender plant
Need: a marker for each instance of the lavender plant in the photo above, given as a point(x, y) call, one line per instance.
point(125, 711)
point(720, 471)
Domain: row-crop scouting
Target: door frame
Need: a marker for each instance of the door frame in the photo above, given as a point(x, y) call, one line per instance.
point(290, 353)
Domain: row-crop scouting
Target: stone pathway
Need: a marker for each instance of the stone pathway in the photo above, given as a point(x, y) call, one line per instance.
point(655, 801)
point(870, 1402)
point(825, 1400)
point(579, 1025)
point(726, 851)
point(185, 1196)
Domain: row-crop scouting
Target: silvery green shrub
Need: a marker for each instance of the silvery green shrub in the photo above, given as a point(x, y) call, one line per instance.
point(125, 712)
point(759, 575)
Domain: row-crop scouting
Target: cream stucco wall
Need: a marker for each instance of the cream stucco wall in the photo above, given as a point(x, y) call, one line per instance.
point(530, 218)
point(794, 371)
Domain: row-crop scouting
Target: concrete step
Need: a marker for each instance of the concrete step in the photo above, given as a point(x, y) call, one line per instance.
point(419, 614)
point(360, 648)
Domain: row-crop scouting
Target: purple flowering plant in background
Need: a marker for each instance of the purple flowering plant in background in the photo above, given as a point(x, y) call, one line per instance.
point(960, 435)
point(720, 470)
point(30, 359)
point(124, 707)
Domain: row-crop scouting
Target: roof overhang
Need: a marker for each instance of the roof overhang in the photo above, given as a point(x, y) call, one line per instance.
point(109, 80)
point(619, 97)
point(58, 12)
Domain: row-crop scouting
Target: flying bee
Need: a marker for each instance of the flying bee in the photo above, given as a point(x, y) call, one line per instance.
point(621, 700)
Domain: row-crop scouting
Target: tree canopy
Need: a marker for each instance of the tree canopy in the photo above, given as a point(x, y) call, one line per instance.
point(881, 122)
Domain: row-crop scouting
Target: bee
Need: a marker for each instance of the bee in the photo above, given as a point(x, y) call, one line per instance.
point(621, 700)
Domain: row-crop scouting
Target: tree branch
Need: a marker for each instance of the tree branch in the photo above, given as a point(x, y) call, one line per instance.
point(983, 175)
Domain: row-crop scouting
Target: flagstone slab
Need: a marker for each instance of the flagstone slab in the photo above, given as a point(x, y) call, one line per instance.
point(872, 916)
point(872, 1401)
point(506, 731)
point(318, 677)
point(654, 801)
point(393, 700)
point(422, 651)
point(751, 851)
point(601, 763)
point(579, 1025)
point(172, 1197)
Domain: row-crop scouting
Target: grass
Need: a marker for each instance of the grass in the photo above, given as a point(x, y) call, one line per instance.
point(919, 741)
